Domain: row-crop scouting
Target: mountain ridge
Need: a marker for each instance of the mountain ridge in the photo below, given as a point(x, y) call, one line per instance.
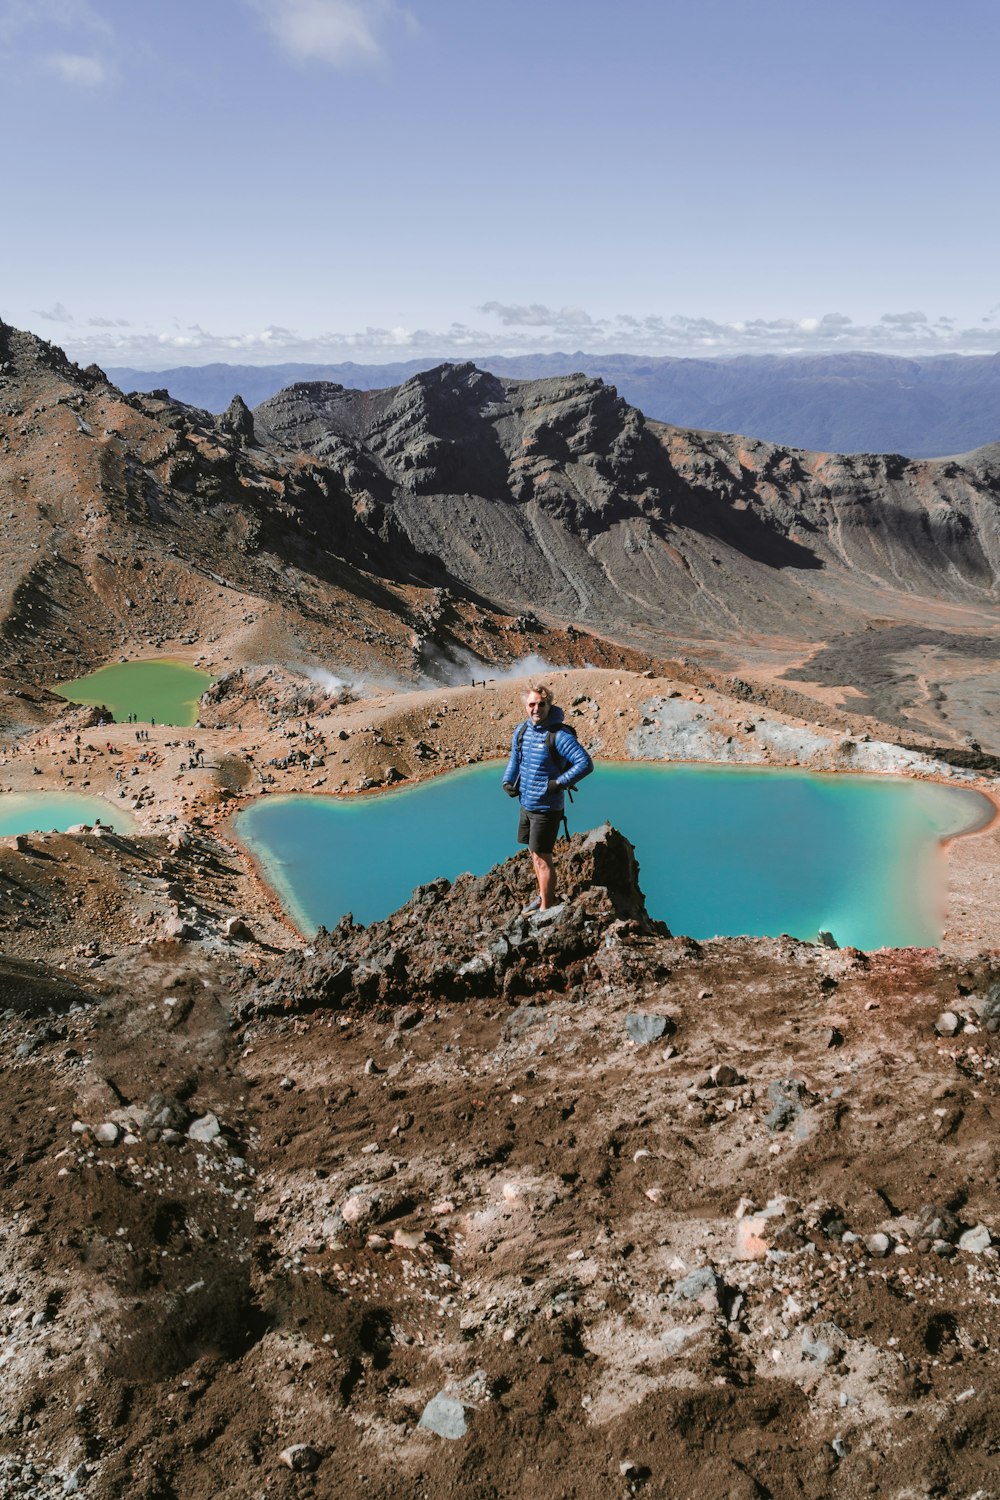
point(930, 406)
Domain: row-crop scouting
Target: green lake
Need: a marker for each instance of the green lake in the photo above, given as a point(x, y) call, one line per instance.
point(43, 812)
point(722, 851)
point(163, 691)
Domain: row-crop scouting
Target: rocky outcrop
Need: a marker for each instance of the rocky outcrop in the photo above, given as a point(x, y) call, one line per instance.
point(237, 421)
point(457, 941)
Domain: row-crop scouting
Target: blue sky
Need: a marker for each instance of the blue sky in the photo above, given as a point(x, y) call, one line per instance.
point(268, 180)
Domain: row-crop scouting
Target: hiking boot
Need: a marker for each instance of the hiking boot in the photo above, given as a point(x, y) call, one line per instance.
point(531, 906)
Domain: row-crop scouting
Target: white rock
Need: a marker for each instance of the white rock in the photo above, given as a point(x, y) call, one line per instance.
point(207, 1128)
point(977, 1240)
point(107, 1134)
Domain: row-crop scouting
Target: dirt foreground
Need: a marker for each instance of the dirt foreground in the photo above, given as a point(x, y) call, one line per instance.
point(470, 1202)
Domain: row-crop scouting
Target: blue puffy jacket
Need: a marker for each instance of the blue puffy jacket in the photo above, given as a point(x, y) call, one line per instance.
point(531, 766)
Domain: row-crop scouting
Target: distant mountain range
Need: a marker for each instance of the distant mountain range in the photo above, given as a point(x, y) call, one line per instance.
point(842, 403)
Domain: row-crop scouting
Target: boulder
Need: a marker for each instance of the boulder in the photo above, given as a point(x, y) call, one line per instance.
point(643, 1029)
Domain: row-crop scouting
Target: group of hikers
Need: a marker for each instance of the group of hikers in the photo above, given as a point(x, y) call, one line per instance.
point(546, 762)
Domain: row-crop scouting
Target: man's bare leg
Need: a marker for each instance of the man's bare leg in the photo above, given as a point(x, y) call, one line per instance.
point(545, 874)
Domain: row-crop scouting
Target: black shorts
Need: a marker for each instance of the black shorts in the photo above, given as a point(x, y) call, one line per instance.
point(539, 830)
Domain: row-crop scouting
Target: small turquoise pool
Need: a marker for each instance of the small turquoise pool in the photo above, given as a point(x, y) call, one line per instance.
point(44, 812)
point(163, 691)
point(723, 851)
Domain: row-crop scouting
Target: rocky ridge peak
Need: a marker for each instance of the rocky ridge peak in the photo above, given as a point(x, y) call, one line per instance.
point(470, 938)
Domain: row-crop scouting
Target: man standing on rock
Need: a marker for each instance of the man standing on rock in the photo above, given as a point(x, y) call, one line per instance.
point(546, 760)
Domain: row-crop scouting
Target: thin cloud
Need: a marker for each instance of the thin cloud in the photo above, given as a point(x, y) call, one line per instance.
point(904, 319)
point(110, 342)
point(18, 17)
point(537, 315)
point(343, 33)
point(57, 313)
point(108, 323)
point(80, 68)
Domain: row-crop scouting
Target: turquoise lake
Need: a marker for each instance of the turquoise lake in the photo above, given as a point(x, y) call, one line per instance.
point(722, 851)
point(42, 812)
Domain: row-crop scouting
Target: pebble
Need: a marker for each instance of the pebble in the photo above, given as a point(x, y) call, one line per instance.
point(878, 1244)
point(976, 1240)
point(408, 1239)
point(107, 1134)
point(724, 1076)
point(947, 1023)
point(300, 1458)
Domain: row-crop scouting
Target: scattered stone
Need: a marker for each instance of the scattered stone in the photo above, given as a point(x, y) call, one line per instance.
point(818, 1350)
point(785, 1095)
point(444, 1416)
point(976, 1240)
point(176, 927)
point(674, 1339)
point(751, 1240)
point(107, 1134)
point(405, 1016)
point(878, 1244)
point(703, 1286)
point(206, 1128)
point(522, 1019)
point(237, 929)
point(936, 1224)
point(724, 1076)
point(643, 1029)
point(408, 1239)
point(358, 1206)
point(301, 1458)
point(947, 1023)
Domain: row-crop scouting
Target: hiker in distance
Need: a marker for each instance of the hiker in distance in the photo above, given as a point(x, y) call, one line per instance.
point(546, 760)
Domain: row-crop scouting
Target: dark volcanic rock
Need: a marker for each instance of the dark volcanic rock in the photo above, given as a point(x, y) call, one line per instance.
point(456, 941)
point(237, 420)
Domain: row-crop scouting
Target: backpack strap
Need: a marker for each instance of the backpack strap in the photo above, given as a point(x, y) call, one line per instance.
point(551, 737)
